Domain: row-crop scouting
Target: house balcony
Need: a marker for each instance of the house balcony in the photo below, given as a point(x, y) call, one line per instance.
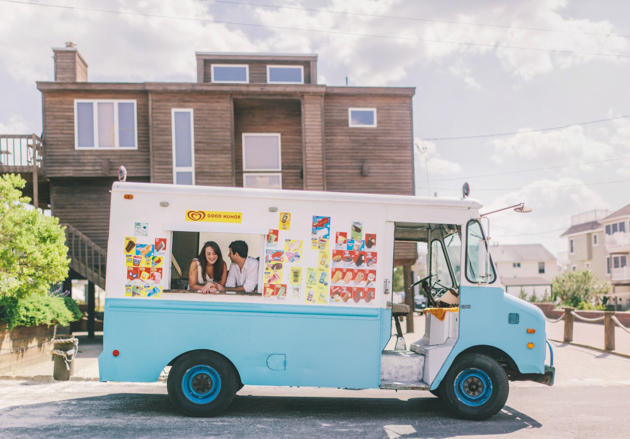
point(620, 274)
point(617, 242)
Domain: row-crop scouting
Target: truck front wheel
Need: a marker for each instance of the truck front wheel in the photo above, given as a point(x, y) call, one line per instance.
point(475, 387)
point(202, 384)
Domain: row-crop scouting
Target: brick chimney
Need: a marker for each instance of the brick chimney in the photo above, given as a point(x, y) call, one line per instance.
point(69, 64)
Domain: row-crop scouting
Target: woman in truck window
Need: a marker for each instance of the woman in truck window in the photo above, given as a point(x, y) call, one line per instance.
point(208, 272)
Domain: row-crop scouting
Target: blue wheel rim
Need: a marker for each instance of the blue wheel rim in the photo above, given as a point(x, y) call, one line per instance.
point(201, 384)
point(473, 387)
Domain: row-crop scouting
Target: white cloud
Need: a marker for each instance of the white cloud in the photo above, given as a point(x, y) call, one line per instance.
point(537, 38)
point(553, 201)
point(430, 164)
point(16, 125)
point(569, 145)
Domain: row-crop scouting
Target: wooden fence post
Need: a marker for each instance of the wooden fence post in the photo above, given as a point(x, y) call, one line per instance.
point(609, 331)
point(568, 325)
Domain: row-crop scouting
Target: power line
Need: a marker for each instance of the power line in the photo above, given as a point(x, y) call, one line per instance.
point(324, 31)
point(426, 20)
point(521, 171)
point(538, 130)
point(625, 180)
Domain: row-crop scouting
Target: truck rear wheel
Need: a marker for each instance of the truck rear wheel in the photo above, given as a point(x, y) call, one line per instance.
point(202, 384)
point(475, 387)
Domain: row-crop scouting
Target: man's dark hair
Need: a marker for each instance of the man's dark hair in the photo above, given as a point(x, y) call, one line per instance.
point(239, 247)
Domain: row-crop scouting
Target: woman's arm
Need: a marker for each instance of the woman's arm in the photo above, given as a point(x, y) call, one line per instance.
point(224, 275)
point(192, 276)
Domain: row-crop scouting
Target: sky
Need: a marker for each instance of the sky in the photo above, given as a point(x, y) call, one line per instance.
point(527, 101)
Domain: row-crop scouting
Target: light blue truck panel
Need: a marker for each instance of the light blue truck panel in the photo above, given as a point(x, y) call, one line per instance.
point(281, 345)
point(484, 319)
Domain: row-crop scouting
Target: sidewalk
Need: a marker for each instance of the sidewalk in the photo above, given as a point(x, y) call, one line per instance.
point(85, 363)
point(590, 334)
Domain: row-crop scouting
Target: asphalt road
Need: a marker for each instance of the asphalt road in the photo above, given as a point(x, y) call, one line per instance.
point(589, 400)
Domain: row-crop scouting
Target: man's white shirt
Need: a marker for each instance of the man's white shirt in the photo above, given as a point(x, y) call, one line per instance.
point(247, 277)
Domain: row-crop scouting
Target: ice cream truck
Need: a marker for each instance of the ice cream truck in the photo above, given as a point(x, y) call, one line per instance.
point(322, 311)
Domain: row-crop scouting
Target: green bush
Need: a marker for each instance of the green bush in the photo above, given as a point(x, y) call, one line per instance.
point(37, 309)
point(578, 287)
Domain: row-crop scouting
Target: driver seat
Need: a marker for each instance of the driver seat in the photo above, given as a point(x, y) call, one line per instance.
point(399, 310)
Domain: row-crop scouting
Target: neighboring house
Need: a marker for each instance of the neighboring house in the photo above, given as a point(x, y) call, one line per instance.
point(617, 243)
point(585, 246)
point(525, 269)
point(249, 120)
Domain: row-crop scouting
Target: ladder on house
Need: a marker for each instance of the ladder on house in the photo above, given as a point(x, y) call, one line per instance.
point(86, 258)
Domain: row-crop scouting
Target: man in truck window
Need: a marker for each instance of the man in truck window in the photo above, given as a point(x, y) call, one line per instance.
point(243, 274)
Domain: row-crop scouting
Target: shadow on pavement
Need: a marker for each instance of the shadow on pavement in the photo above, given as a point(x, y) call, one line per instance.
point(144, 415)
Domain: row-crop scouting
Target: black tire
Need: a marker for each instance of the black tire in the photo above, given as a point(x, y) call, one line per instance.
point(475, 387)
point(202, 384)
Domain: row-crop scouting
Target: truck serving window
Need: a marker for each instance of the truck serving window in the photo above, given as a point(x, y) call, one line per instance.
point(479, 268)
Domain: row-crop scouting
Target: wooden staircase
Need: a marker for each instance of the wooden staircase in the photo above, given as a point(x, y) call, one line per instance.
point(86, 258)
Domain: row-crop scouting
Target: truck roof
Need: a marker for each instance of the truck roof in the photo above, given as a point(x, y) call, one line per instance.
point(286, 194)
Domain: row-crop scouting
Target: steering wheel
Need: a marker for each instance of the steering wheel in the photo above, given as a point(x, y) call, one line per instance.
point(426, 289)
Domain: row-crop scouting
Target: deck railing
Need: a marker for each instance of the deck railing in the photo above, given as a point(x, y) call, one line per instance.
point(20, 151)
point(86, 258)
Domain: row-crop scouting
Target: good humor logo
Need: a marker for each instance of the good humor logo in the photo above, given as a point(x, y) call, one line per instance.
point(214, 216)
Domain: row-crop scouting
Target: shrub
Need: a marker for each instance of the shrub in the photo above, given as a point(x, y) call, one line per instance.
point(32, 245)
point(576, 287)
point(38, 309)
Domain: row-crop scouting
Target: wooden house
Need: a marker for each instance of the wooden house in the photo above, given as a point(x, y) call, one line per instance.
point(249, 120)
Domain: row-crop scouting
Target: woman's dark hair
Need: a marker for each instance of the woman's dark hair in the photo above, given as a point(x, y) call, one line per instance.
point(217, 267)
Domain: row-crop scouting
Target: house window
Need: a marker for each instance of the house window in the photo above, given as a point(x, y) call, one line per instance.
point(608, 265)
point(620, 261)
point(541, 268)
point(573, 268)
point(571, 247)
point(230, 73)
point(587, 265)
point(622, 227)
point(183, 146)
point(362, 117)
point(285, 74)
point(594, 240)
point(105, 124)
point(516, 265)
point(262, 159)
point(608, 229)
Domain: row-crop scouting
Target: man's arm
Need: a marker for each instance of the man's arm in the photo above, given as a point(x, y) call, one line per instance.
point(251, 276)
point(231, 278)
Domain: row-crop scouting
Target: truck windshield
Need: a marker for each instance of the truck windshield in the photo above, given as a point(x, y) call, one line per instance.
point(479, 267)
point(439, 266)
point(453, 246)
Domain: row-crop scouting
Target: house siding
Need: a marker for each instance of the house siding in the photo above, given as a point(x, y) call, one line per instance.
point(271, 116)
point(386, 149)
point(212, 115)
point(61, 159)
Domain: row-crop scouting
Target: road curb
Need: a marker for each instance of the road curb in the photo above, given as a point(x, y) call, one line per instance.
point(592, 347)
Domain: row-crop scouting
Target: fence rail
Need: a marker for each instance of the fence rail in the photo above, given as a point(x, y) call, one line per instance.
point(609, 319)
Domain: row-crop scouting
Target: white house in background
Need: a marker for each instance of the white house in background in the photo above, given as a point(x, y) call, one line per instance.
point(528, 268)
point(617, 243)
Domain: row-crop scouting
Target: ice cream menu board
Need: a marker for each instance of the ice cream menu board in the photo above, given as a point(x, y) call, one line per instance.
point(144, 264)
point(338, 267)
